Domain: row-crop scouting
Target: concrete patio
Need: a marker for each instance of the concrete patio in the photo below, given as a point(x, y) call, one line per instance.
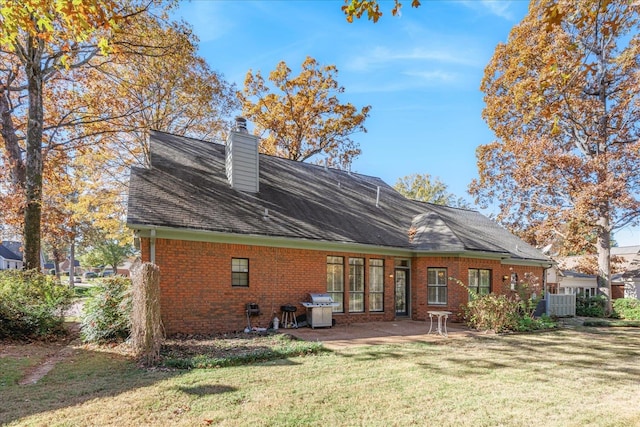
point(375, 333)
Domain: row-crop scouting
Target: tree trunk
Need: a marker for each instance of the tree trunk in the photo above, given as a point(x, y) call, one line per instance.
point(604, 260)
point(33, 184)
point(8, 133)
point(72, 262)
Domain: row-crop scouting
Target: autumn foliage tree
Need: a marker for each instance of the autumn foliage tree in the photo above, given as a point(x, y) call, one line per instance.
point(105, 73)
point(303, 118)
point(45, 37)
point(427, 189)
point(562, 97)
point(371, 8)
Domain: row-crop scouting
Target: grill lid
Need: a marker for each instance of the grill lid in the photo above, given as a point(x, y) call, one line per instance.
point(321, 298)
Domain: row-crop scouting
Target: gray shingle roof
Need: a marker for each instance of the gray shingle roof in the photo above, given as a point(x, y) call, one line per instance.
point(186, 188)
point(10, 250)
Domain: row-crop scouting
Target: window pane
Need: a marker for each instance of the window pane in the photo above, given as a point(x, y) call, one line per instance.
point(431, 275)
point(485, 278)
point(432, 294)
point(239, 272)
point(479, 281)
point(356, 274)
point(437, 286)
point(356, 284)
point(376, 277)
point(335, 276)
point(240, 264)
point(376, 285)
point(335, 281)
point(356, 302)
point(473, 279)
point(376, 302)
point(339, 298)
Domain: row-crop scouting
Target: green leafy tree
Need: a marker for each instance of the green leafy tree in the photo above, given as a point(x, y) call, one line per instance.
point(108, 252)
point(427, 189)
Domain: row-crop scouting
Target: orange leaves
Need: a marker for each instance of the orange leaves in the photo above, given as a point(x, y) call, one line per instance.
point(561, 97)
point(303, 120)
point(57, 20)
point(357, 8)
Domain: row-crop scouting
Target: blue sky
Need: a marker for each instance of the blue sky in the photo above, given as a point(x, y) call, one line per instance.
point(420, 72)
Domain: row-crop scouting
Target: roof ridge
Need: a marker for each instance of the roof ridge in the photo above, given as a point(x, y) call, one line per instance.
point(279, 158)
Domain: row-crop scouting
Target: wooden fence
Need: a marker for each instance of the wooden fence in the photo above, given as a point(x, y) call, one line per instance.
point(561, 305)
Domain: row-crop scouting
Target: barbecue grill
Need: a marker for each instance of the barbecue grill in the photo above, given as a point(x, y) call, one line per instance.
point(319, 310)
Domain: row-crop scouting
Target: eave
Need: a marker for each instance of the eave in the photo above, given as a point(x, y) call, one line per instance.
point(175, 233)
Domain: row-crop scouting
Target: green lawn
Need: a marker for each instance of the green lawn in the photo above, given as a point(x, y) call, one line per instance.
point(584, 377)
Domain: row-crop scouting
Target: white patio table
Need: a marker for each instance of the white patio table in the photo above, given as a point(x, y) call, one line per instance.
point(442, 320)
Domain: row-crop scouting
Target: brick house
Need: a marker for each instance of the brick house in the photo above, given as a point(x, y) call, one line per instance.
point(228, 226)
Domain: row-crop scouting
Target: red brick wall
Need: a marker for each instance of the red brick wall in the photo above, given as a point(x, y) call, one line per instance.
point(458, 271)
point(197, 296)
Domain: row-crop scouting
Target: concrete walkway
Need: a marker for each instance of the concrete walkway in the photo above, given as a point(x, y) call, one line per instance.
point(375, 333)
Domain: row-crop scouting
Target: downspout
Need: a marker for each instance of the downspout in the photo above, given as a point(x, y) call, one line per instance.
point(152, 247)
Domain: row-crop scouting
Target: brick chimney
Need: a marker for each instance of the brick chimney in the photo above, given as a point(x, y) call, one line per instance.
point(242, 158)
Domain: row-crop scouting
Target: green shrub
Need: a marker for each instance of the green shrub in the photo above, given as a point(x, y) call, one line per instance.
point(528, 323)
point(627, 308)
point(107, 311)
point(31, 304)
point(492, 313)
point(590, 306)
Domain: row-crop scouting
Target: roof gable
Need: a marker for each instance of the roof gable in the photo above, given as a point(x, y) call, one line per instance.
point(10, 250)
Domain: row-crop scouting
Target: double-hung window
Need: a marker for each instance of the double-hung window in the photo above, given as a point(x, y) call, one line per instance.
point(479, 281)
point(335, 281)
point(437, 286)
point(376, 285)
point(356, 285)
point(240, 272)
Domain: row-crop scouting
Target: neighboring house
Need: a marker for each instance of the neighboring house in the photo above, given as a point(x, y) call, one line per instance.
point(627, 283)
point(573, 282)
point(124, 268)
point(64, 266)
point(10, 256)
point(228, 227)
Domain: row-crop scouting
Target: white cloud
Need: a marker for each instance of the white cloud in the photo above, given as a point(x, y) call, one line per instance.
point(433, 77)
point(381, 57)
point(408, 81)
point(498, 8)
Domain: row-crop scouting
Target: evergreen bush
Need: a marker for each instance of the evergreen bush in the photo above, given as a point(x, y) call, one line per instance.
point(31, 304)
point(590, 306)
point(107, 311)
point(627, 308)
